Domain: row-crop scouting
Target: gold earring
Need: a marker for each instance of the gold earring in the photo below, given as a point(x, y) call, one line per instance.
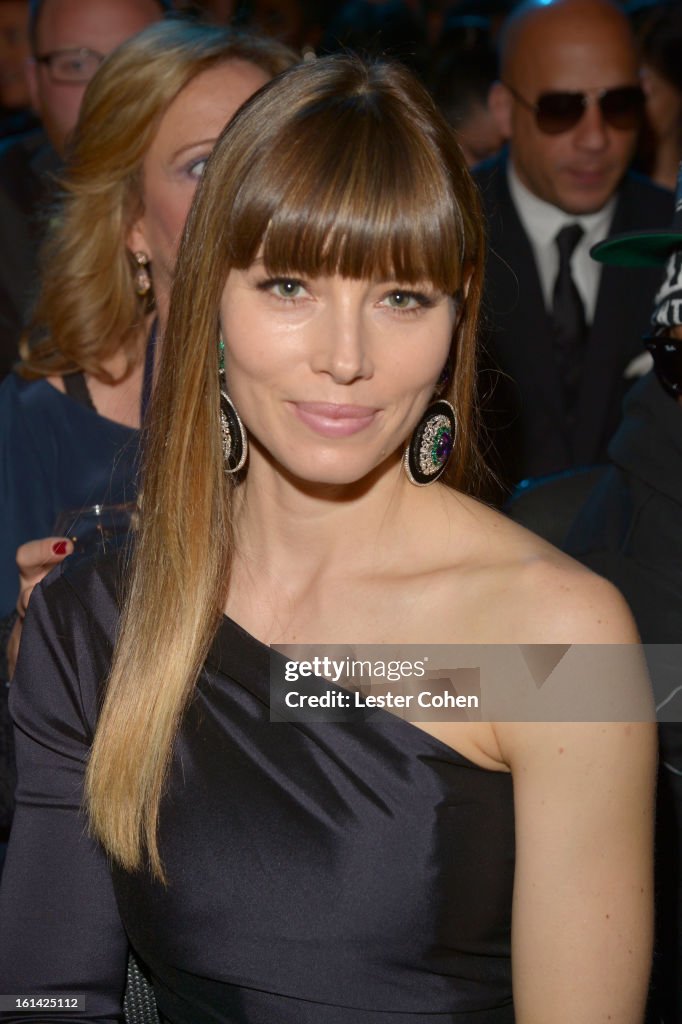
point(143, 281)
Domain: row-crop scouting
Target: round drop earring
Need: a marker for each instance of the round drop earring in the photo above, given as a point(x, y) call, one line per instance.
point(233, 435)
point(431, 444)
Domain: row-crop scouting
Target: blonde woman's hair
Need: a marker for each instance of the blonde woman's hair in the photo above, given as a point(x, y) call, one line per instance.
point(336, 167)
point(88, 308)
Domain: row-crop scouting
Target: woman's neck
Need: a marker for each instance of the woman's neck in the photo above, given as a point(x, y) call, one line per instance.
point(116, 392)
point(290, 530)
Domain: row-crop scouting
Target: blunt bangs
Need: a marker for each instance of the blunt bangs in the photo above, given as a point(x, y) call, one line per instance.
point(354, 185)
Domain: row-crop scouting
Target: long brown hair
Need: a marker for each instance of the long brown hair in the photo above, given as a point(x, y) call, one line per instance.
point(87, 308)
point(340, 167)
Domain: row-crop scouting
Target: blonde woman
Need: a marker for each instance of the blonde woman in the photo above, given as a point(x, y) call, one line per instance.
point(374, 871)
point(68, 429)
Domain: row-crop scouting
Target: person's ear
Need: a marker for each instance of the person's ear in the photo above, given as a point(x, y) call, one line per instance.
point(500, 103)
point(136, 239)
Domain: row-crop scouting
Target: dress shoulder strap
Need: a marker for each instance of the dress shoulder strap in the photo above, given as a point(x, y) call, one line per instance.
point(76, 387)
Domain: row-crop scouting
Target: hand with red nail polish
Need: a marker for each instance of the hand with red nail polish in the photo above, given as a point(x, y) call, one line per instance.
point(34, 561)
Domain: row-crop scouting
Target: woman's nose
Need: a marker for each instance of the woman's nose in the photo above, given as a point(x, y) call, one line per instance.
point(343, 347)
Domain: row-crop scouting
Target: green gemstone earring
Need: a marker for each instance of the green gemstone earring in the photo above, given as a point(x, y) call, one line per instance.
point(431, 444)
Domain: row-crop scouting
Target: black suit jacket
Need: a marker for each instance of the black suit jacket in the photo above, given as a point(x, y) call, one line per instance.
point(521, 395)
point(27, 167)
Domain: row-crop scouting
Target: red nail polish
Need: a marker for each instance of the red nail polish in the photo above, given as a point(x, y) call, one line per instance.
point(59, 548)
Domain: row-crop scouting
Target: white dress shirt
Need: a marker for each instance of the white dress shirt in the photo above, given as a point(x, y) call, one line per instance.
point(542, 222)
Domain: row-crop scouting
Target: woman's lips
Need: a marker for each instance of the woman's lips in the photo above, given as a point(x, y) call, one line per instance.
point(331, 420)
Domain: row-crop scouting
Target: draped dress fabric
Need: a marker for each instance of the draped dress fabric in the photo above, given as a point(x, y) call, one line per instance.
point(318, 873)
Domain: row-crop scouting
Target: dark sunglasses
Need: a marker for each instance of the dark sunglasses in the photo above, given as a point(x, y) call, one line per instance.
point(557, 112)
point(667, 355)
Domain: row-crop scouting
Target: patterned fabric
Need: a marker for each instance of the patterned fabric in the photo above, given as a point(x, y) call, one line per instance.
point(139, 1005)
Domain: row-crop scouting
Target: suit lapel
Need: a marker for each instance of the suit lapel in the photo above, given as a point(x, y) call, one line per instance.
point(523, 344)
point(614, 340)
point(602, 372)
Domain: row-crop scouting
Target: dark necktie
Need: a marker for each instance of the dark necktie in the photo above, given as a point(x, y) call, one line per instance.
point(568, 318)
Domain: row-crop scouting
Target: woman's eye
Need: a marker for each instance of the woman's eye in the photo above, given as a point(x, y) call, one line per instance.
point(401, 300)
point(406, 300)
point(287, 288)
point(197, 168)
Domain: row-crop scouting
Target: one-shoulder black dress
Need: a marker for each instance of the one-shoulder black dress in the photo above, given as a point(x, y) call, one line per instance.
point(324, 873)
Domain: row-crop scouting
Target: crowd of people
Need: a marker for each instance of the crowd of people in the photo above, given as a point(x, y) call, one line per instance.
point(344, 304)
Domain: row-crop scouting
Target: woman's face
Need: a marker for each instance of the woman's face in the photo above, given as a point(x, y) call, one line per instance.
point(331, 374)
point(176, 159)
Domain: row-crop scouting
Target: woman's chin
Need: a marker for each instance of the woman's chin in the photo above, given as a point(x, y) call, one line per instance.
point(337, 473)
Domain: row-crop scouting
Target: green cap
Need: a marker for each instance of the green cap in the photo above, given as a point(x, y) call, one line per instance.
point(643, 248)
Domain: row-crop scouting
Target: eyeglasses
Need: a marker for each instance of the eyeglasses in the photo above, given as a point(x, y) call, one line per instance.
point(557, 112)
point(667, 355)
point(71, 67)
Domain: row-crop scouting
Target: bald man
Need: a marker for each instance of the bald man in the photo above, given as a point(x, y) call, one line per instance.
point(564, 334)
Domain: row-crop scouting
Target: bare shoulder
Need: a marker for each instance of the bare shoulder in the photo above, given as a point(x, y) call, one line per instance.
point(535, 593)
point(594, 692)
point(567, 603)
point(515, 595)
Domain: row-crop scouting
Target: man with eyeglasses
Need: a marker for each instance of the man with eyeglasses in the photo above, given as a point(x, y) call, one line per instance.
point(69, 40)
point(563, 339)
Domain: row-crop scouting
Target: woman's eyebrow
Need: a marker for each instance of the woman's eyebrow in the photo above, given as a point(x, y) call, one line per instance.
point(194, 145)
